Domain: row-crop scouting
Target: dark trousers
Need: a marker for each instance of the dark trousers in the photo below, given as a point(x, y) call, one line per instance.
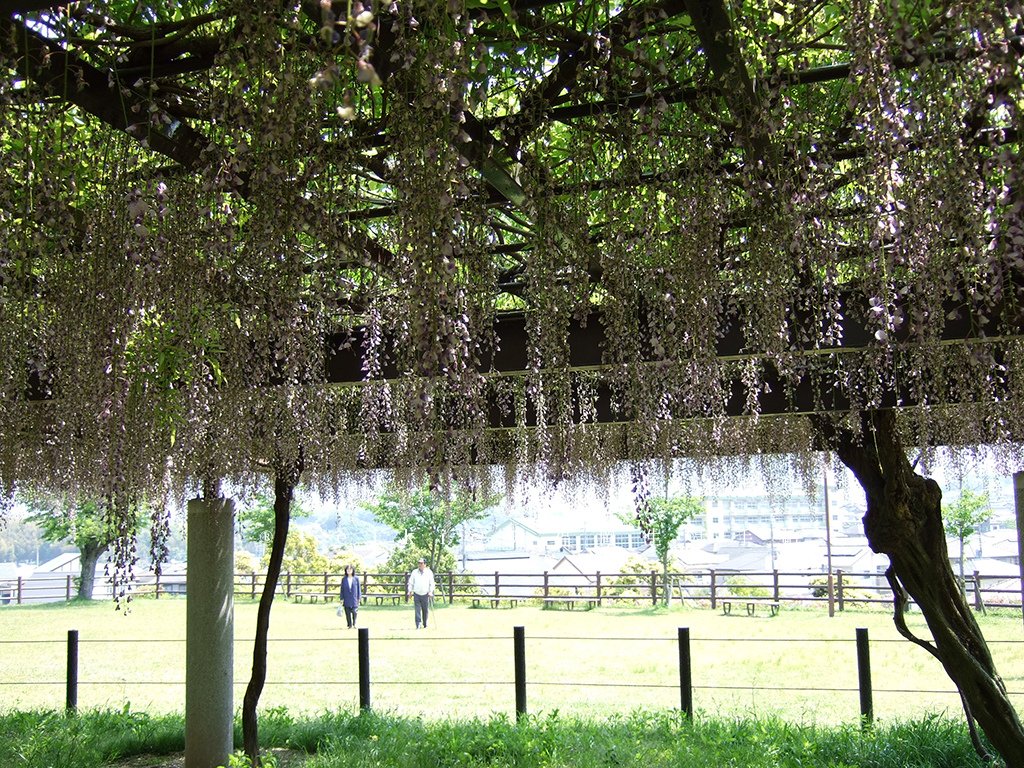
point(350, 615)
point(421, 605)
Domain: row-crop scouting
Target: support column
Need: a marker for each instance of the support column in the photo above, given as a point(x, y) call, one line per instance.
point(209, 633)
point(1018, 502)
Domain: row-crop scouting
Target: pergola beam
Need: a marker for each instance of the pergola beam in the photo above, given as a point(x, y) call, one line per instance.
point(587, 340)
point(68, 77)
point(714, 29)
point(54, 70)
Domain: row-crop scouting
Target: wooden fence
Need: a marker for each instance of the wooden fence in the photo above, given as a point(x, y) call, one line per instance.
point(708, 587)
point(711, 588)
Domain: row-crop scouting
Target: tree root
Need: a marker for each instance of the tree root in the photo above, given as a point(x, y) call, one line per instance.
point(900, 600)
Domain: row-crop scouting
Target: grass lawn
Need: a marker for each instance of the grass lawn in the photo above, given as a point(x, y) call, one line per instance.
point(344, 740)
point(594, 664)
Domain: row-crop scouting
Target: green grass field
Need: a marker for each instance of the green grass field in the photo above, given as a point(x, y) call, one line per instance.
point(595, 664)
point(108, 739)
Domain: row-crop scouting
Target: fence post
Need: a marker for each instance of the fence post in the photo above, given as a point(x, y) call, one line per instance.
point(839, 587)
point(867, 709)
point(67, 589)
point(71, 697)
point(714, 596)
point(775, 585)
point(519, 650)
point(252, 594)
point(451, 587)
point(654, 588)
point(326, 595)
point(20, 586)
point(599, 588)
point(545, 585)
point(978, 605)
point(364, 668)
point(685, 678)
point(497, 584)
point(288, 584)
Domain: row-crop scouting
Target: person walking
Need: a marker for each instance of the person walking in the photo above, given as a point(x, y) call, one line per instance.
point(421, 584)
point(350, 595)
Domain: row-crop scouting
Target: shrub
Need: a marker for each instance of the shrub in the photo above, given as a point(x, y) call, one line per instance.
point(738, 586)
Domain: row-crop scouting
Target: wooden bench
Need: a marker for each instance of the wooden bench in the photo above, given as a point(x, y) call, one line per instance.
point(496, 601)
point(298, 597)
point(381, 599)
point(751, 605)
point(569, 601)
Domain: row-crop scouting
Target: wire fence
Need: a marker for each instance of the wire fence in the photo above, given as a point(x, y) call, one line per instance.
point(513, 674)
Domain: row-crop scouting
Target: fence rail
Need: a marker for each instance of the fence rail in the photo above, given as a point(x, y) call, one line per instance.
point(517, 686)
point(711, 587)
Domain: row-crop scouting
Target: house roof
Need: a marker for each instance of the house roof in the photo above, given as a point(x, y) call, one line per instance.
point(696, 557)
point(505, 523)
point(61, 562)
point(599, 559)
point(504, 563)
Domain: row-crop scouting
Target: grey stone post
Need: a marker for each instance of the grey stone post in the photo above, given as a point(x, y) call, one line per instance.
point(1018, 498)
point(209, 633)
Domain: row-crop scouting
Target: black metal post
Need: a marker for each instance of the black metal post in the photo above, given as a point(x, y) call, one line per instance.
point(364, 668)
point(685, 678)
point(71, 699)
point(519, 648)
point(867, 709)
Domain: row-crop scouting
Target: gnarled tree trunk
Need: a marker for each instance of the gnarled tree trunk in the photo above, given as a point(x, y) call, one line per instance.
point(284, 488)
point(904, 521)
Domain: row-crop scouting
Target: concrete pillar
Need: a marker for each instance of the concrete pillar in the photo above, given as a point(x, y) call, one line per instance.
point(1018, 502)
point(209, 633)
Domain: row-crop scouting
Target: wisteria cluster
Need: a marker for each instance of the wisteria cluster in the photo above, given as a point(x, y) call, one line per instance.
point(233, 234)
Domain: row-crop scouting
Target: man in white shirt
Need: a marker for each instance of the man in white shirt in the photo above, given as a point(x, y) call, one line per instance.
point(421, 585)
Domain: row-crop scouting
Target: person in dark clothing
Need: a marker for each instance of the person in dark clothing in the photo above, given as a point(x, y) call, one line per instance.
point(350, 594)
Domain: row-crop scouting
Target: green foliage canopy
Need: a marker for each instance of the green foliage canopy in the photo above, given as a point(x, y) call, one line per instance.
point(963, 517)
point(427, 520)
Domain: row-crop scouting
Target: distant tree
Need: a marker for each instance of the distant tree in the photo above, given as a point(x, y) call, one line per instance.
point(302, 555)
point(428, 520)
point(963, 518)
point(633, 580)
point(22, 541)
point(256, 520)
point(245, 562)
point(79, 523)
point(660, 519)
point(406, 557)
point(342, 557)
